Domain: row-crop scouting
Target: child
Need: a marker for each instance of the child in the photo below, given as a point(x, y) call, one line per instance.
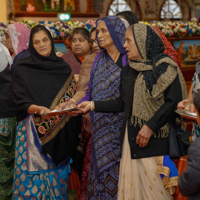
point(189, 181)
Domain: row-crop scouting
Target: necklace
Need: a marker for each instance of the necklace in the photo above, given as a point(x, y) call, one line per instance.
point(115, 56)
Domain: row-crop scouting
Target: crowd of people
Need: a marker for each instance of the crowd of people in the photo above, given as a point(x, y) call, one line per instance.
point(124, 79)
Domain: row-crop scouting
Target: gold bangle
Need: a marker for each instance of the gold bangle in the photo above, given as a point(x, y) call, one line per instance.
point(73, 100)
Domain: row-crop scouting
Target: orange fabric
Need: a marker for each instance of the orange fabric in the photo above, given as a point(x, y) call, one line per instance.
point(81, 58)
point(179, 53)
point(181, 165)
point(74, 182)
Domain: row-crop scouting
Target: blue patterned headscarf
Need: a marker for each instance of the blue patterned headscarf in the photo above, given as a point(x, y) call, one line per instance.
point(105, 82)
point(117, 31)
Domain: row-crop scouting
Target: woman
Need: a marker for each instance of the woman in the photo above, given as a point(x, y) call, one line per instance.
point(105, 76)
point(152, 101)
point(18, 41)
point(80, 49)
point(7, 125)
point(44, 144)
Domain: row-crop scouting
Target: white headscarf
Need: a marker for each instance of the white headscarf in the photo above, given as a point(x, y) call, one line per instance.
point(5, 56)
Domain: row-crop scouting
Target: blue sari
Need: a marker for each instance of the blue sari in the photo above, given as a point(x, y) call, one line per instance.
point(105, 148)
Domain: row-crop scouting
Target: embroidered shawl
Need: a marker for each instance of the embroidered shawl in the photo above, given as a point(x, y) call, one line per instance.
point(104, 86)
point(149, 92)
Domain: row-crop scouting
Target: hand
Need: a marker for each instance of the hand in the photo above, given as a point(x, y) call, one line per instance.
point(65, 105)
point(190, 107)
point(85, 106)
point(143, 136)
point(41, 110)
point(74, 113)
point(182, 104)
point(59, 54)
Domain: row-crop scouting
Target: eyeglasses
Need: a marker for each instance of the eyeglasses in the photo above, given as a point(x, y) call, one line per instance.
point(92, 41)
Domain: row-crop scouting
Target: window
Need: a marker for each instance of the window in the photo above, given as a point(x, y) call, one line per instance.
point(170, 10)
point(118, 6)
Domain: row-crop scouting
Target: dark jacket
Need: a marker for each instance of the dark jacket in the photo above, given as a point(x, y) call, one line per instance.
point(189, 181)
point(156, 146)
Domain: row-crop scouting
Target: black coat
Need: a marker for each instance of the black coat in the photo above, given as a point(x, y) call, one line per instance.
point(189, 181)
point(156, 146)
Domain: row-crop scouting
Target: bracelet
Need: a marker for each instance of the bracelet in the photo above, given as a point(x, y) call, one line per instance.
point(73, 100)
point(91, 105)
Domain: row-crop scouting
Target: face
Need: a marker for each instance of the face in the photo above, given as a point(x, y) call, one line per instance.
point(103, 36)
point(80, 46)
point(95, 46)
point(8, 43)
point(42, 43)
point(130, 46)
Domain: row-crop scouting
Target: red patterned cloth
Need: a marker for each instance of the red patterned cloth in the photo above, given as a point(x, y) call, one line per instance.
point(169, 49)
point(87, 140)
point(83, 188)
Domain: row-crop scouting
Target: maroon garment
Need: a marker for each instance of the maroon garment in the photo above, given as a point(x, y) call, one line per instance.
point(71, 60)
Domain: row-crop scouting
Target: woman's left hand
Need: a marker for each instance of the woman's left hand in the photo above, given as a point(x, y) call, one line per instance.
point(143, 136)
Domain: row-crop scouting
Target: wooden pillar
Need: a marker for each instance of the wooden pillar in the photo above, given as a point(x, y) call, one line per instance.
point(90, 8)
point(17, 5)
point(77, 6)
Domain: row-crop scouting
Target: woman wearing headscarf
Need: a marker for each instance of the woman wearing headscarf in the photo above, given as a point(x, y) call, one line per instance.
point(148, 99)
point(169, 49)
point(104, 85)
point(17, 41)
point(7, 125)
point(44, 145)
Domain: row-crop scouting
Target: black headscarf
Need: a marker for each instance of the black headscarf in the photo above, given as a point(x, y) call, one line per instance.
point(129, 16)
point(37, 79)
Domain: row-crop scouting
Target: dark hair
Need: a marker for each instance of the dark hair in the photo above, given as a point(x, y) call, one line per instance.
point(39, 28)
point(83, 31)
point(129, 16)
point(197, 101)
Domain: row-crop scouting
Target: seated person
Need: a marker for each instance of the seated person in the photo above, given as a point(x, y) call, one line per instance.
point(189, 181)
point(194, 53)
point(80, 49)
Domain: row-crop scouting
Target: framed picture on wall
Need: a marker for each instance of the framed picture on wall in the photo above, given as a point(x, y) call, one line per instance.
point(188, 50)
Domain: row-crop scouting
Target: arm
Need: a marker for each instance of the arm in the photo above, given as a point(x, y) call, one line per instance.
point(113, 105)
point(172, 96)
point(189, 181)
point(162, 116)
